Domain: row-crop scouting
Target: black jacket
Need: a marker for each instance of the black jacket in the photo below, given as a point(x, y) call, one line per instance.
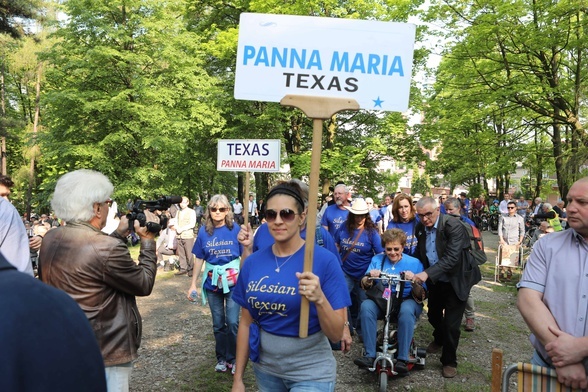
point(452, 242)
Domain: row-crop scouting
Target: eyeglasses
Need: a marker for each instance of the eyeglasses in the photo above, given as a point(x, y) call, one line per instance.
point(393, 249)
point(220, 209)
point(287, 215)
point(428, 215)
point(511, 208)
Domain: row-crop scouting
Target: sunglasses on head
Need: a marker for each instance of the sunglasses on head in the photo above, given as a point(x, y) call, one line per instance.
point(220, 209)
point(393, 249)
point(287, 215)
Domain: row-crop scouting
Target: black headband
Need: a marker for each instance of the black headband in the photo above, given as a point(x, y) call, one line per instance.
point(282, 190)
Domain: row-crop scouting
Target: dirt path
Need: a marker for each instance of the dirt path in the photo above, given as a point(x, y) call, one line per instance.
point(177, 351)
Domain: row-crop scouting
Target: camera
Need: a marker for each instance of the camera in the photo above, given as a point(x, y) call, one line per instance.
point(138, 212)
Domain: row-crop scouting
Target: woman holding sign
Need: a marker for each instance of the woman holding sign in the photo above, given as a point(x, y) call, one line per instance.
point(269, 290)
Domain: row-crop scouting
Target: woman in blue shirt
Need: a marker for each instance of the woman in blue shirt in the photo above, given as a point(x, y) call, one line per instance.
point(269, 290)
point(218, 247)
point(404, 218)
point(358, 241)
point(394, 261)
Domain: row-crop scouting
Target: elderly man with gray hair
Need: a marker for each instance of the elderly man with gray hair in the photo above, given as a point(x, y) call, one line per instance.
point(449, 273)
point(549, 214)
point(97, 270)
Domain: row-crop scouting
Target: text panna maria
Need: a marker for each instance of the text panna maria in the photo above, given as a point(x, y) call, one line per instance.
point(358, 63)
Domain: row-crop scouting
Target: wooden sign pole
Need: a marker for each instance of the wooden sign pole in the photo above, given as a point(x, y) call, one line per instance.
point(319, 109)
point(246, 200)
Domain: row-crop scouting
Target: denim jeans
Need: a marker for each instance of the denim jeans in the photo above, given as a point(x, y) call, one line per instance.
point(409, 313)
point(537, 360)
point(225, 323)
point(117, 377)
point(268, 383)
point(357, 297)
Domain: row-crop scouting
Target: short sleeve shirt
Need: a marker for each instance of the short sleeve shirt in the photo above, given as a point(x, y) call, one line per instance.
point(333, 218)
point(220, 248)
point(367, 245)
point(272, 297)
point(558, 268)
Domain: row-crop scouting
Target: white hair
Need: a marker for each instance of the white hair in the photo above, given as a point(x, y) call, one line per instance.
point(343, 186)
point(547, 206)
point(77, 191)
point(426, 201)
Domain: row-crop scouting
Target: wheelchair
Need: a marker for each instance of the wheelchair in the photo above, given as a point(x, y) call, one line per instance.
point(383, 365)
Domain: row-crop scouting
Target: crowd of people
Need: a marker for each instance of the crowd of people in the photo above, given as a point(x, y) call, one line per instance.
point(257, 286)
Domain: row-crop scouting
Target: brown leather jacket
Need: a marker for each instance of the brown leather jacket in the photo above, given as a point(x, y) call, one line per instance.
point(98, 272)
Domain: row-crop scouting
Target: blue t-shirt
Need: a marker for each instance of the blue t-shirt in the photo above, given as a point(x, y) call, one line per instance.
point(263, 238)
point(220, 248)
point(375, 215)
point(383, 211)
point(272, 298)
point(406, 263)
point(333, 218)
point(367, 245)
point(411, 239)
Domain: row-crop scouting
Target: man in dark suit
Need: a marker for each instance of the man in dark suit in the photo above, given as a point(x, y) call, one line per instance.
point(449, 272)
point(46, 339)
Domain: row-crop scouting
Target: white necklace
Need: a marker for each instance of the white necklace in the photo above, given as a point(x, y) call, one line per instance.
point(278, 267)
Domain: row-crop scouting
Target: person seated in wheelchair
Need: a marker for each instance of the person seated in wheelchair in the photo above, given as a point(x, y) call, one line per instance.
point(408, 306)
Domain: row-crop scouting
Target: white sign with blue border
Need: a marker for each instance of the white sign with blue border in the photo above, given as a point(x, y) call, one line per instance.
point(369, 61)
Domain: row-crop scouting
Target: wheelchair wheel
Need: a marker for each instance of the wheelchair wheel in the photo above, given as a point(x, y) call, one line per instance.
point(383, 382)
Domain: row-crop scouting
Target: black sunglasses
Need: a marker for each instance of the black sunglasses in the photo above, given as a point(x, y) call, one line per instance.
point(220, 209)
point(287, 215)
point(392, 249)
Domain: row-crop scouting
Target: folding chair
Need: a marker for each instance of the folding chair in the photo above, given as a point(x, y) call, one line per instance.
point(530, 378)
point(510, 256)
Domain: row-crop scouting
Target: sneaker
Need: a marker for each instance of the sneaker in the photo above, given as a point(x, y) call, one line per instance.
point(233, 368)
point(364, 362)
point(220, 367)
point(470, 325)
point(401, 368)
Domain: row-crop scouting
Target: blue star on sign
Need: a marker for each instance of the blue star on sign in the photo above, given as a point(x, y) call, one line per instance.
point(377, 102)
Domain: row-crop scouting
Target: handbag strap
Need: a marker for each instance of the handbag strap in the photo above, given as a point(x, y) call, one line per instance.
point(352, 245)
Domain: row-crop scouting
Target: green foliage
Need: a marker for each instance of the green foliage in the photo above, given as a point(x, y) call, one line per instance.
point(514, 68)
point(15, 14)
point(127, 95)
point(475, 190)
point(420, 184)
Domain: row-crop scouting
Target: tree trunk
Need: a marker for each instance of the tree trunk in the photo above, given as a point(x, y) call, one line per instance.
point(34, 138)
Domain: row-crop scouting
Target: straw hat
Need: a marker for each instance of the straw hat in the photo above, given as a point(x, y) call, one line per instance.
point(359, 207)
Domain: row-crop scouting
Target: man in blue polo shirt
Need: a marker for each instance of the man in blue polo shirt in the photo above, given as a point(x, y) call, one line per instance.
point(336, 214)
point(553, 294)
